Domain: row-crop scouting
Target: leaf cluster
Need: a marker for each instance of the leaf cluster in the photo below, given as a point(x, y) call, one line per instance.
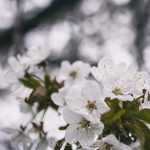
point(127, 122)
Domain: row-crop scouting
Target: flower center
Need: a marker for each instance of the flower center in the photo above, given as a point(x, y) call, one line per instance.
point(91, 105)
point(116, 91)
point(84, 123)
point(139, 80)
point(73, 74)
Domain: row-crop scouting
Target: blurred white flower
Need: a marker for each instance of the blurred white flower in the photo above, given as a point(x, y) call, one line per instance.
point(19, 140)
point(41, 144)
point(81, 129)
point(17, 66)
point(75, 71)
point(109, 142)
point(34, 56)
point(3, 80)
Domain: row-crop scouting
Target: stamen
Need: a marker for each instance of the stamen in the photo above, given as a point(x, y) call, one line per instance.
point(116, 91)
point(73, 74)
point(91, 105)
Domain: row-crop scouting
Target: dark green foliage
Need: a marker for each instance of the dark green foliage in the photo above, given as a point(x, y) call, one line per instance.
point(125, 121)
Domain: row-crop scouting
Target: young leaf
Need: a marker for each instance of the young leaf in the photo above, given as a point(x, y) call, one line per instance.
point(142, 132)
point(30, 82)
point(115, 111)
point(113, 103)
point(143, 114)
point(131, 106)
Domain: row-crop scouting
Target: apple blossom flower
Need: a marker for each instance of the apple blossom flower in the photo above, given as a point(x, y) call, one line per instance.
point(81, 128)
point(75, 71)
point(114, 78)
point(118, 86)
point(86, 98)
point(104, 69)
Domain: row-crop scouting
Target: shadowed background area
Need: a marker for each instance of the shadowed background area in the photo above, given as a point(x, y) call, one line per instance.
point(72, 30)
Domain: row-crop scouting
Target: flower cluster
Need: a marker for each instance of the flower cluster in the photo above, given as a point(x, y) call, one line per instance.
point(105, 107)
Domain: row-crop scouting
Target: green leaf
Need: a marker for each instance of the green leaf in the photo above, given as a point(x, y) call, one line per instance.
point(118, 115)
point(111, 115)
point(115, 111)
point(143, 114)
point(112, 103)
point(142, 132)
point(30, 82)
point(59, 144)
point(131, 106)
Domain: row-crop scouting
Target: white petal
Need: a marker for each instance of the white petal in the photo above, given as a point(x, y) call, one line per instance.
point(105, 61)
point(58, 99)
point(74, 99)
point(97, 128)
point(71, 117)
point(111, 139)
point(71, 135)
point(64, 71)
point(8, 130)
point(91, 91)
point(96, 73)
point(102, 107)
point(121, 67)
point(86, 138)
point(81, 68)
point(42, 145)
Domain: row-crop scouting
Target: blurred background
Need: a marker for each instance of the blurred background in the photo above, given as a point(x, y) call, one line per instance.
point(72, 30)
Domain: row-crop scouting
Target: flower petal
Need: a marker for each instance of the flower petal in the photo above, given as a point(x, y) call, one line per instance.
point(71, 117)
point(71, 135)
point(91, 91)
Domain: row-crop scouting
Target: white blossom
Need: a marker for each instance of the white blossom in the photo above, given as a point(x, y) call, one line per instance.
point(81, 128)
point(75, 71)
point(104, 69)
point(86, 98)
point(17, 66)
point(34, 56)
